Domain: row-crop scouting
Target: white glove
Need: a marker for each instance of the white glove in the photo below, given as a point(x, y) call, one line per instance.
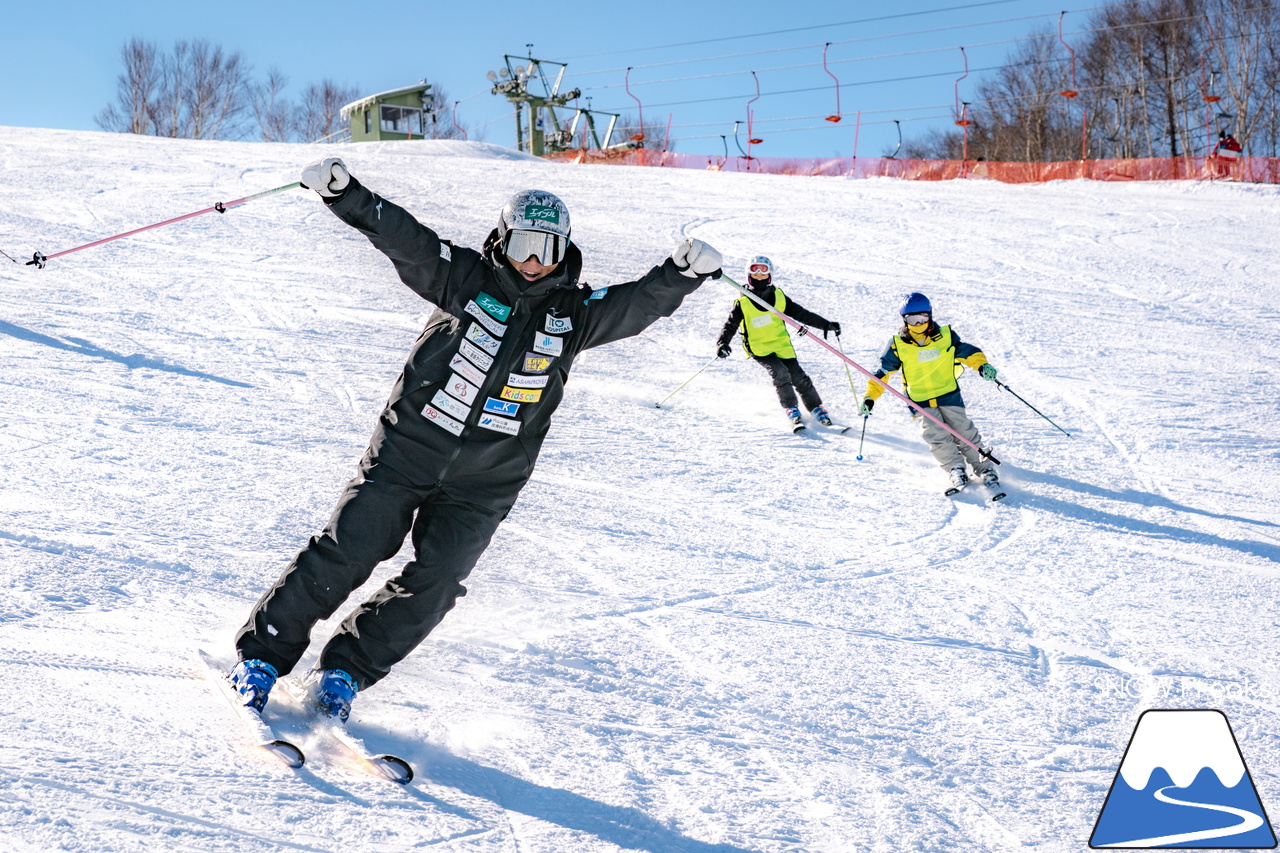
point(329, 176)
point(694, 258)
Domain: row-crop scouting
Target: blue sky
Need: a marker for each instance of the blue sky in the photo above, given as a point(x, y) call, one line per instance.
point(691, 62)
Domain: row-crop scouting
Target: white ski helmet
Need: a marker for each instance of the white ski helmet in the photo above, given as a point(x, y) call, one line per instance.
point(760, 260)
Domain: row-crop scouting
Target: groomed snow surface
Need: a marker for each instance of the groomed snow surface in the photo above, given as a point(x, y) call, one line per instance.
point(696, 631)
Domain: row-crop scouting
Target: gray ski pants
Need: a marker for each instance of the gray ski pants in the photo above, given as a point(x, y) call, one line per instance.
point(377, 510)
point(949, 452)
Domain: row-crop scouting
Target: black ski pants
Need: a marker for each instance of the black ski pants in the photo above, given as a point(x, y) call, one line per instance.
point(378, 509)
point(788, 379)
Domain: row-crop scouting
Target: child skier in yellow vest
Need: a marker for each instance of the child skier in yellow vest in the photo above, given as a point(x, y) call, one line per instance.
point(927, 355)
point(766, 340)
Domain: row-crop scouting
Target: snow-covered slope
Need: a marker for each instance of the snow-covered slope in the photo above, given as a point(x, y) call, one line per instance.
point(696, 632)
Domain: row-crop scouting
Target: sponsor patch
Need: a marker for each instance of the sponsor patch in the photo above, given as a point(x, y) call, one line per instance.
point(501, 407)
point(928, 355)
point(596, 294)
point(498, 424)
point(762, 320)
point(534, 363)
point(476, 354)
point(483, 339)
point(443, 420)
point(493, 306)
point(493, 326)
point(445, 253)
point(517, 380)
point(542, 213)
point(467, 370)
point(521, 395)
point(461, 389)
point(558, 325)
point(450, 406)
point(548, 344)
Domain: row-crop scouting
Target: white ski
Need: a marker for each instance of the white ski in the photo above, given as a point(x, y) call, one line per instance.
point(385, 765)
point(259, 732)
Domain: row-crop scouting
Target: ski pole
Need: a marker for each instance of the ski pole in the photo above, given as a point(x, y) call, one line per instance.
point(39, 259)
point(1000, 384)
point(864, 436)
point(9, 256)
point(803, 330)
point(847, 372)
point(713, 360)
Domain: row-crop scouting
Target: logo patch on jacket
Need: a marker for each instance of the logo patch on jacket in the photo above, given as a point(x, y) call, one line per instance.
point(443, 420)
point(483, 339)
point(448, 405)
point(467, 370)
point(548, 344)
point(501, 407)
point(498, 424)
point(476, 354)
point(461, 388)
point(558, 325)
point(517, 380)
point(535, 363)
point(928, 355)
point(493, 306)
point(521, 395)
point(493, 326)
point(445, 253)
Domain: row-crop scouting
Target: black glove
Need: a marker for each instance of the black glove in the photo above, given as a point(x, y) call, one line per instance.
point(831, 327)
point(867, 405)
point(723, 351)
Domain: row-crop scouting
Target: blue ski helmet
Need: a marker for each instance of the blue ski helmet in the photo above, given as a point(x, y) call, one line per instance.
point(916, 303)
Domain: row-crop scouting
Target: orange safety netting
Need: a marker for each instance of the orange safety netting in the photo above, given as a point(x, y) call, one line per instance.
point(1256, 169)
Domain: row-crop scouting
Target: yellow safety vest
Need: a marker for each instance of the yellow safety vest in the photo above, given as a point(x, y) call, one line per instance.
point(928, 369)
point(762, 332)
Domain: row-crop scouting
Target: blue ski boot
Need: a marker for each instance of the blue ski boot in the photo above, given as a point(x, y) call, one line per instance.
point(820, 412)
point(253, 680)
point(332, 691)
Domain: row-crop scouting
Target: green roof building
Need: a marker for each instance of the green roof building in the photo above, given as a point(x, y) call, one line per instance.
point(397, 114)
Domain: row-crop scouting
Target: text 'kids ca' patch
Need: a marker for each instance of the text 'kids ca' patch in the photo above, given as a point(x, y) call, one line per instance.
point(521, 395)
point(1182, 783)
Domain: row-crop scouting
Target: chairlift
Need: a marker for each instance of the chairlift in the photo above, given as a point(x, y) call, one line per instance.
point(962, 119)
point(894, 155)
point(835, 118)
point(1068, 93)
point(751, 114)
point(639, 137)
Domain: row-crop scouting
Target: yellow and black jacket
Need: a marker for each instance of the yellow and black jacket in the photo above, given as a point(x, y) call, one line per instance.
point(928, 365)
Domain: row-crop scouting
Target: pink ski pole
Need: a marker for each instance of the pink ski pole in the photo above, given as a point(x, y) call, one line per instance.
point(803, 330)
point(38, 260)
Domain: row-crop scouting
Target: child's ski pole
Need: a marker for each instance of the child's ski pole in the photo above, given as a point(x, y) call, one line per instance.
point(39, 259)
point(714, 359)
point(1000, 384)
point(864, 436)
point(804, 330)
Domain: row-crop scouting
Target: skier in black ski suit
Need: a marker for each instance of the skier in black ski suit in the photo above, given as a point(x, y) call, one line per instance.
point(459, 436)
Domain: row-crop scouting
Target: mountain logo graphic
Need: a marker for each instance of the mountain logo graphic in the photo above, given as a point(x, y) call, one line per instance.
point(1183, 783)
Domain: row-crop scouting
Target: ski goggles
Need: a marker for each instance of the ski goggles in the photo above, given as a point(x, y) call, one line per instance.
point(916, 319)
point(760, 268)
point(548, 248)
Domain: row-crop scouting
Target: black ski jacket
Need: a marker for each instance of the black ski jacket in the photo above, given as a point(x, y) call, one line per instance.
point(474, 402)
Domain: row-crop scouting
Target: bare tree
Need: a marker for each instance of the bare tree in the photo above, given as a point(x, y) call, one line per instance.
point(136, 90)
point(203, 92)
point(441, 116)
point(271, 111)
point(318, 116)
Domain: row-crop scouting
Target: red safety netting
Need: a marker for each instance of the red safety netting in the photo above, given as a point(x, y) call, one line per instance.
point(1256, 169)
